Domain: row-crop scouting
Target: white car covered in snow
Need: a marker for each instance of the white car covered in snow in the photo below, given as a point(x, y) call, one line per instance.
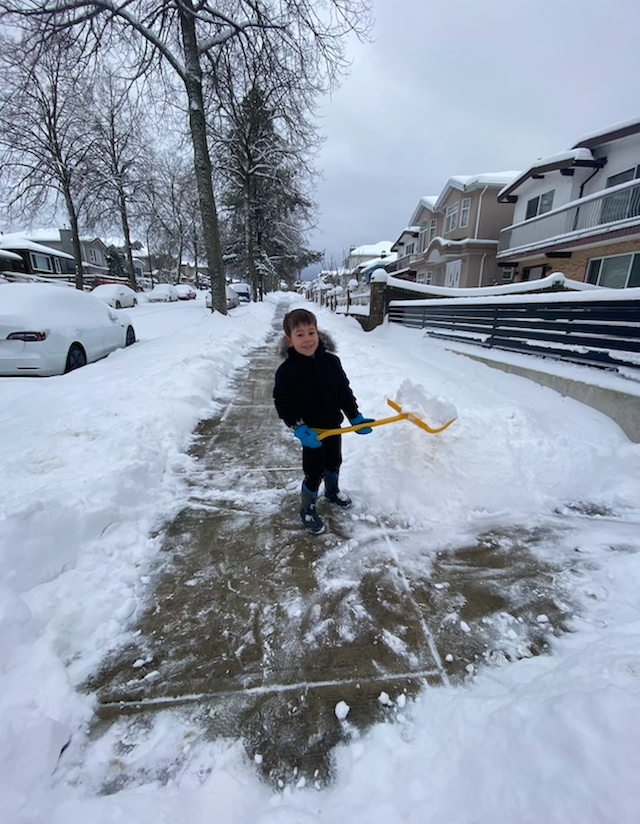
point(116, 294)
point(163, 293)
point(48, 330)
point(231, 295)
point(243, 290)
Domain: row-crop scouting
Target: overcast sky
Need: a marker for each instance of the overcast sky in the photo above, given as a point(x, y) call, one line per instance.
point(462, 88)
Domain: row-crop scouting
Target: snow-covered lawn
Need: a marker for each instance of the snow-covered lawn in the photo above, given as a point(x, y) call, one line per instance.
point(93, 462)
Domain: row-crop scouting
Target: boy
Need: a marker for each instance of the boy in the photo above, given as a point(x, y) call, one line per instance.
point(311, 392)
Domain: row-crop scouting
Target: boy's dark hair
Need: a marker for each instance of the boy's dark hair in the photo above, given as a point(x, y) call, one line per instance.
point(298, 317)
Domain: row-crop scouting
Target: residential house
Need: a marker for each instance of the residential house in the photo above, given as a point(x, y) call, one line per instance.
point(94, 262)
point(578, 212)
point(359, 256)
point(452, 238)
point(22, 256)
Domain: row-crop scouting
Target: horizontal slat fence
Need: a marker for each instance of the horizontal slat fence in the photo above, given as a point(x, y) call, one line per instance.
point(598, 332)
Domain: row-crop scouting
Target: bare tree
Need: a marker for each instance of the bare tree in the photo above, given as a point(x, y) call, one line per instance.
point(179, 34)
point(120, 164)
point(44, 145)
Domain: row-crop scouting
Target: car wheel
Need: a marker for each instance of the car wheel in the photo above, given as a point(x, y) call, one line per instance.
point(118, 305)
point(76, 358)
point(131, 336)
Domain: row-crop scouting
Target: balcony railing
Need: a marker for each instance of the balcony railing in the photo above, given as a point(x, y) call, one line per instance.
point(615, 208)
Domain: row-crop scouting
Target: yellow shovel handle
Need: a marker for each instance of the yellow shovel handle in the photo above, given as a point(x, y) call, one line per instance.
point(327, 433)
point(402, 416)
point(418, 421)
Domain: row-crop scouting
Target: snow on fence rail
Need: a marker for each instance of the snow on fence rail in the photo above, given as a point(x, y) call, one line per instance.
point(581, 328)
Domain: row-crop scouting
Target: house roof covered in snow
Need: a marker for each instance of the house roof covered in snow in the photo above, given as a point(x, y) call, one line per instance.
point(42, 235)
point(23, 243)
point(609, 133)
point(557, 162)
point(372, 250)
point(425, 202)
point(468, 183)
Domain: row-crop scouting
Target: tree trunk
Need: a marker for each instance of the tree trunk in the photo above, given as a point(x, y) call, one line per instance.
point(75, 238)
point(248, 240)
point(195, 260)
point(201, 158)
point(124, 218)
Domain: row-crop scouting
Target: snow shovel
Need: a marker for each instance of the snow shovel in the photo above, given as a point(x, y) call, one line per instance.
point(401, 416)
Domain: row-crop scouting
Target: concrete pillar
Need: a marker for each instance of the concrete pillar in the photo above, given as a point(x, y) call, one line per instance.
point(377, 303)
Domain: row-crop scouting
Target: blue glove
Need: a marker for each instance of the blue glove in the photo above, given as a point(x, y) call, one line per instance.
point(359, 419)
point(307, 437)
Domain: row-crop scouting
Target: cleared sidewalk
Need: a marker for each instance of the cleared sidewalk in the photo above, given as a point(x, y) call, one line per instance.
point(257, 630)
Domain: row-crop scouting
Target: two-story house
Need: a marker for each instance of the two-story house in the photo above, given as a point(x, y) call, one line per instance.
point(22, 255)
point(578, 212)
point(94, 262)
point(359, 256)
point(452, 239)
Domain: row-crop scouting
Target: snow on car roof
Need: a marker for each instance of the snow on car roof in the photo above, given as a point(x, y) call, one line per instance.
point(50, 305)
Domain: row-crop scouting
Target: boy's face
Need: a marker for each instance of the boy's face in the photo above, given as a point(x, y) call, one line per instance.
point(304, 339)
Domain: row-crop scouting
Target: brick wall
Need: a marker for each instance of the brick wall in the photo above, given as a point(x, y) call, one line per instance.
point(576, 266)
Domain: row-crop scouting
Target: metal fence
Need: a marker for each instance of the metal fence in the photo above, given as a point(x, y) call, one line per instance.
point(601, 332)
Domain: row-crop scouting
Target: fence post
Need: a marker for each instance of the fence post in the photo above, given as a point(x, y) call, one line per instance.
point(376, 302)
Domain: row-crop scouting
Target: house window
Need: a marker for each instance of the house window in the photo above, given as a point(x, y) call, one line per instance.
point(429, 277)
point(624, 204)
point(464, 212)
point(508, 272)
point(40, 263)
point(539, 205)
point(451, 222)
point(623, 177)
point(433, 227)
point(94, 256)
point(534, 273)
point(410, 248)
point(58, 266)
point(616, 272)
point(422, 238)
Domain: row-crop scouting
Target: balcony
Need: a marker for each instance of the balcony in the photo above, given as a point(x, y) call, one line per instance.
point(597, 214)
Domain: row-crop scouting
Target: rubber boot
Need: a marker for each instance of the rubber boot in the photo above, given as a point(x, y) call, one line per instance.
point(310, 519)
point(332, 492)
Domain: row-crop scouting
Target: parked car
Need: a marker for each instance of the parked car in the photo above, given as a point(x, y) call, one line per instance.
point(163, 293)
point(48, 330)
point(116, 295)
point(243, 291)
point(232, 298)
point(185, 292)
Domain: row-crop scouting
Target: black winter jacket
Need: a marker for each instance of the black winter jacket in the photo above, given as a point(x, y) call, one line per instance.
point(313, 390)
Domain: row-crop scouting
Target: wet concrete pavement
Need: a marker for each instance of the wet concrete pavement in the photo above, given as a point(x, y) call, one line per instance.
point(256, 630)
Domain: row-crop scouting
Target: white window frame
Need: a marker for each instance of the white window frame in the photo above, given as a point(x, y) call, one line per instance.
point(33, 256)
point(465, 210)
point(600, 261)
point(433, 228)
point(538, 200)
point(451, 223)
point(422, 238)
point(429, 277)
point(409, 249)
point(508, 272)
point(94, 256)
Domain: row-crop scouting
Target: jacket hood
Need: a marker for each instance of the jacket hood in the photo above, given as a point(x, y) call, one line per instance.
point(325, 339)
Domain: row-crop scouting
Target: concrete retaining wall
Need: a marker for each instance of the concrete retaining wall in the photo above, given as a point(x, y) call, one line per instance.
point(623, 409)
